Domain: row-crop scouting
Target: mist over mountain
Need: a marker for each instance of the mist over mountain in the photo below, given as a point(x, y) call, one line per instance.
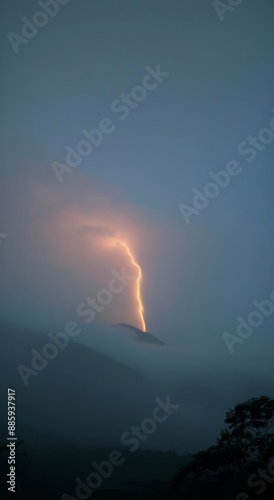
point(102, 392)
point(141, 336)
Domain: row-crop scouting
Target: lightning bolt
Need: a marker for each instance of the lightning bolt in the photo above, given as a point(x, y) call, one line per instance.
point(138, 285)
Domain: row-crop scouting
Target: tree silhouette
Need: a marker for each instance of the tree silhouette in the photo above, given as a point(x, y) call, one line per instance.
point(250, 424)
point(246, 443)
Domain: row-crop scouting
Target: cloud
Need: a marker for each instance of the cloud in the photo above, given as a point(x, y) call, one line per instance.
point(63, 249)
point(97, 231)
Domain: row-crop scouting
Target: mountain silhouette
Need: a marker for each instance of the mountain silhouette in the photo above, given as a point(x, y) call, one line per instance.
point(140, 335)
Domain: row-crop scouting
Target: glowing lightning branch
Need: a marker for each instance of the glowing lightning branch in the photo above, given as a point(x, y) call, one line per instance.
point(139, 297)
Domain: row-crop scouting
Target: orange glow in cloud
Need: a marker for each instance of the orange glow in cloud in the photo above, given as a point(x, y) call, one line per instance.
point(87, 235)
point(138, 289)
